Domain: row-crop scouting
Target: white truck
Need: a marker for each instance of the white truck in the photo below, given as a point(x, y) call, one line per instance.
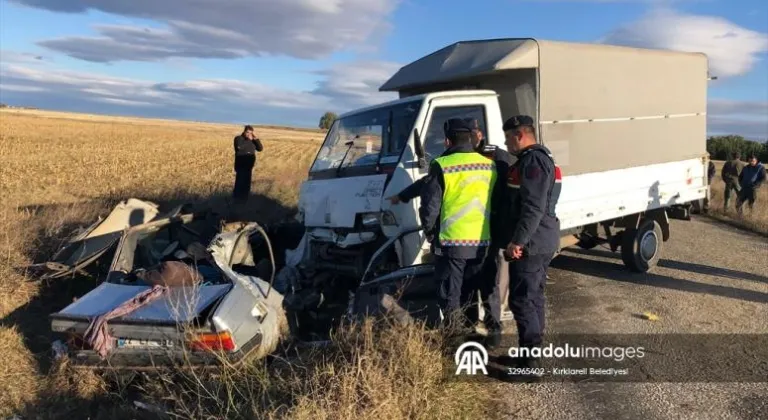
point(626, 125)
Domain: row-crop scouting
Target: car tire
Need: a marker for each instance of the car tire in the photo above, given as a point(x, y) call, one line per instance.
point(641, 248)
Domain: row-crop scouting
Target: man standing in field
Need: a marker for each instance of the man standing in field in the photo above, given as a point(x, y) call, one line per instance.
point(730, 174)
point(246, 146)
point(750, 179)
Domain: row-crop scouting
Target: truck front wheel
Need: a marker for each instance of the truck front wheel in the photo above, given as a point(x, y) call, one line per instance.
point(641, 247)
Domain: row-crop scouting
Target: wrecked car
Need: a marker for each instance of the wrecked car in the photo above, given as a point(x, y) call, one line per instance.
point(223, 312)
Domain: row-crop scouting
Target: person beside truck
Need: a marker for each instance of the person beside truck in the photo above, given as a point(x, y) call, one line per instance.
point(531, 231)
point(455, 202)
point(730, 174)
point(752, 176)
point(494, 277)
point(711, 172)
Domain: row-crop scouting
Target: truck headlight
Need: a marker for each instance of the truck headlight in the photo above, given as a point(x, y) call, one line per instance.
point(370, 219)
point(388, 219)
point(374, 219)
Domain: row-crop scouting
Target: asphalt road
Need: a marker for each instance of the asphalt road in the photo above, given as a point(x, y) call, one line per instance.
point(713, 279)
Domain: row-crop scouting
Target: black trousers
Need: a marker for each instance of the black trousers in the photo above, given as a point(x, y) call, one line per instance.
point(243, 174)
point(459, 282)
point(747, 195)
point(527, 278)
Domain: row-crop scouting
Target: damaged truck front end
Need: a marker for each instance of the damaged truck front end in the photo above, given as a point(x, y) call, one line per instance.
point(227, 315)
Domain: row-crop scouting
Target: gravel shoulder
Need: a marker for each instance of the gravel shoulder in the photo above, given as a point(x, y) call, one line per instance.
point(713, 279)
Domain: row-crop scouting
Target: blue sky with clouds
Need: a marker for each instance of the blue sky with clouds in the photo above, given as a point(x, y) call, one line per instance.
point(287, 61)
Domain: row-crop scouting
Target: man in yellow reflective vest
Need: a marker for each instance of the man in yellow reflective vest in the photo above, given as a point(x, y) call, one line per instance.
point(455, 214)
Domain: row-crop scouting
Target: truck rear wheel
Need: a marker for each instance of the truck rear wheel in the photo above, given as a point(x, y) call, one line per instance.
point(641, 248)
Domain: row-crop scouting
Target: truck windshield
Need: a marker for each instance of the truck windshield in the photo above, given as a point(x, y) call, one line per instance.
point(361, 139)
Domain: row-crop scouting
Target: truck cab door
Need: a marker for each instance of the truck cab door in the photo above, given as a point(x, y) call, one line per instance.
point(484, 109)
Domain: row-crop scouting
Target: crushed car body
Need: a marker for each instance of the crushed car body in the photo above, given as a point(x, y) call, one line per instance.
point(222, 311)
point(92, 243)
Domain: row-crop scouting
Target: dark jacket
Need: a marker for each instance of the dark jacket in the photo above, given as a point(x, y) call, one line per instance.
point(503, 161)
point(752, 177)
point(533, 188)
point(731, 170)
point(431, 205)
point(244, 146)
point(711, 171)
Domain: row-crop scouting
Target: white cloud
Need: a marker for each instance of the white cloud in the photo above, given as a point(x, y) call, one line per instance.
point(15, 57)
point(358, 82)
point(308, 29)
point(342, 88)
point(732, 50)
point(19, 88)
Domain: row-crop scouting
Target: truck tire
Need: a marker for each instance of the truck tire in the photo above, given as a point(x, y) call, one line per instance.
point(641, 248)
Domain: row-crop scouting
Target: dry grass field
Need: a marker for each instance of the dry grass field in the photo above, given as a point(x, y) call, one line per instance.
point(60, 171)
point(755, 220)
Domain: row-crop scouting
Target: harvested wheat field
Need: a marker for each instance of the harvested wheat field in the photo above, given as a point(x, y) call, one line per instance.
point(61, 171)
point(755, 219)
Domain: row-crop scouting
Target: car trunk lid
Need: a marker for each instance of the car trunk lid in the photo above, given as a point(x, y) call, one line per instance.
point(157, 320)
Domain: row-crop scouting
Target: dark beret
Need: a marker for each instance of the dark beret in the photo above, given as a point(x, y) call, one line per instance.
point(456, 125)
point(517, 121)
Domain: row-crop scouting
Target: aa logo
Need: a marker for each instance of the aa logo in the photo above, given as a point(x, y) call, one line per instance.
point(470, 358)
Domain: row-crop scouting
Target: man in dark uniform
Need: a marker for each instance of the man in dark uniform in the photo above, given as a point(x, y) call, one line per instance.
point(730, 174)
point(532, 231)
point(246, 146)
point(454, 212)
point(494, 277)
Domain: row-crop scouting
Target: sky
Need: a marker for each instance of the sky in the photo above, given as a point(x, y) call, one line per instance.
point(288, 61)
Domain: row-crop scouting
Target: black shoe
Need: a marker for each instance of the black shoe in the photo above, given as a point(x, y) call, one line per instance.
point(530, 363)
point(533, 371)
point(493, 339)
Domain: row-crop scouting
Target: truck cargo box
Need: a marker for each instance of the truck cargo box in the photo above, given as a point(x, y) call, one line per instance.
point(598, 107)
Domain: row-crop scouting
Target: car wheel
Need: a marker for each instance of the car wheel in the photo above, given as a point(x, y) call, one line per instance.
point(641, 248)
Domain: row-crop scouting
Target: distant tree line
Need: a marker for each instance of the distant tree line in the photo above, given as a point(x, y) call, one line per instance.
point(721, 147)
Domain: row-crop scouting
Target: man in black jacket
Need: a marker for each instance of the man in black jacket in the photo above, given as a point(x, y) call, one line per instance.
point(532, 229)
point(246, 146)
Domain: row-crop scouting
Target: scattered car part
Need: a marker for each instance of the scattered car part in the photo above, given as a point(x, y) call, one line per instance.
point(86, 247)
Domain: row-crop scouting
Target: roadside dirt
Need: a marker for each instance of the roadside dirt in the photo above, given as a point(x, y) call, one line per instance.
point(712, 279)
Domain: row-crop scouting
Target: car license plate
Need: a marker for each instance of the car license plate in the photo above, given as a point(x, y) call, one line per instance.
point(132, 343)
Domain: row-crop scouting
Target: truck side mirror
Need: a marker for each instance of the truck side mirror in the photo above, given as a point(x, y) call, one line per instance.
point(419, 148)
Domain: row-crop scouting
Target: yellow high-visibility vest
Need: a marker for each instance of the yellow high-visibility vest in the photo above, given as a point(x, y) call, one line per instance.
point(465, 211)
